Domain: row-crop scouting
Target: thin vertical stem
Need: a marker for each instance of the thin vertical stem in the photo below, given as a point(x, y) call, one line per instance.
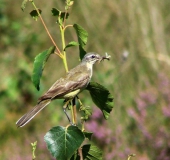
point(80, 153)
point(63, 45)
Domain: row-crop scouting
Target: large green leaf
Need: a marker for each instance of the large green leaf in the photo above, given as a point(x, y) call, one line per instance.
point(82, 52)
point(90, 152)
point(82, 36)
point(39, 64)
point(62, 142)
point(101, 97)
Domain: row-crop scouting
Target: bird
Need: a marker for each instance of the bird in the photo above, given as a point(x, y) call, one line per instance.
point(67, 87)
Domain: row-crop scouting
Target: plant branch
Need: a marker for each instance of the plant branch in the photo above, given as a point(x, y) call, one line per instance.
point(58, 51)
point(63, 45)
point(68, 26)
point(80, 153)
point(34, 145)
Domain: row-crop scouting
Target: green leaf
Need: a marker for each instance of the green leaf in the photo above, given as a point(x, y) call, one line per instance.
point(82, 52)
point(34, 14)
point(71, 44)
point(88, 135)
point(82, 36)
point(23, 5)
point(62, 142)
point(39, 64)
point(87, 112)
point(57, 12)
point(90, 152)
point(69, 3)
point(101, 97)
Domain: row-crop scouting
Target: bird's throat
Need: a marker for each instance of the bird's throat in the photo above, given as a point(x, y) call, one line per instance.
point(90, 68)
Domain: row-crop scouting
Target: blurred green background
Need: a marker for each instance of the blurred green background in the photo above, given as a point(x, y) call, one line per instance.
point(135, 33)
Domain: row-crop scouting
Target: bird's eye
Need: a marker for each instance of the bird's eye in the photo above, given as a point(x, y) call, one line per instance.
point(93, 56)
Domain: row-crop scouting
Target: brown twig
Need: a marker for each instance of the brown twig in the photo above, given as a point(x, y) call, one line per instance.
point(80, 153)
point(58, 51)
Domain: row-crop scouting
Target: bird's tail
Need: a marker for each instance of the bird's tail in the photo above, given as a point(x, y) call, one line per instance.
point(30, 115)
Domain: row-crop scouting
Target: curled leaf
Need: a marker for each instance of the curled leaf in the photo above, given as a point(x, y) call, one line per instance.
point(101, 97)
point(71, 44)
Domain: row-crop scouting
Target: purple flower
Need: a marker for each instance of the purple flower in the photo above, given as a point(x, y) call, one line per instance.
point(166, 110)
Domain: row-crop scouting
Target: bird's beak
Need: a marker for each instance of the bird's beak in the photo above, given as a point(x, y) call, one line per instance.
point(102, 58)
point(99, 58)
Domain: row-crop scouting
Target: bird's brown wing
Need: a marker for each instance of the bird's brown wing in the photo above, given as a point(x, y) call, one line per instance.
point(63, 86)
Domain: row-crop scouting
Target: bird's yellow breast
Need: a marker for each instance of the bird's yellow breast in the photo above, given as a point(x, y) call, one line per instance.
point(72, 94)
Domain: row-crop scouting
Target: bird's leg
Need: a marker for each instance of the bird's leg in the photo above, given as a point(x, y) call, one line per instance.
point(64, 109)
point(74, 111)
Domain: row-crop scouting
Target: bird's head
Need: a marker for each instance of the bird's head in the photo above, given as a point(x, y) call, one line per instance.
point(91, 58)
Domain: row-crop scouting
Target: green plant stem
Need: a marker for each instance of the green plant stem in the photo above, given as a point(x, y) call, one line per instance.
point(34, 145)
point(82, 128)
point(82, 122)
point(73, 111)
point(68, 26)
point(63, 45)
point(62, 30)
point(130, 156)
point(58, 51)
